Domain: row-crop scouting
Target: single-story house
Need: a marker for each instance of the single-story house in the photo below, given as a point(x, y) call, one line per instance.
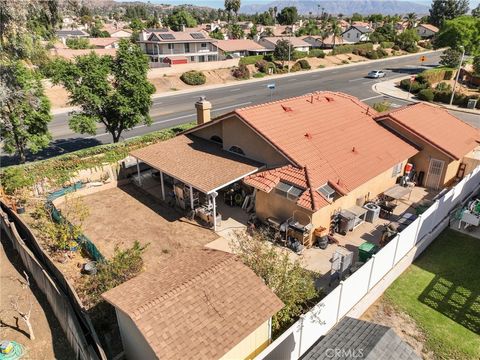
point(198, 304)
point(104, 43)
point(323, 43)
point(239, 48)
point(358, 339)
point(297, 43)
point(70, 54)
point(426, 31)
point(356, 34)
point(448, 146)
point(121, 33)
point(195, 46)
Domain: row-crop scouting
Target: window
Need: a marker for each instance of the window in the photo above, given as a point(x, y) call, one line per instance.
point(397, 169)
point(236, 150)
point(170, 46)
point(187, 47)
point(327, 192)
point(291, 192)
point(203, 45)
point(217, 139)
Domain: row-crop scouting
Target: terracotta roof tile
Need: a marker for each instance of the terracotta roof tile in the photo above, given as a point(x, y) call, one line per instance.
point(198, 304)
point(438, 127)
point(239, 45)
point(334, 135)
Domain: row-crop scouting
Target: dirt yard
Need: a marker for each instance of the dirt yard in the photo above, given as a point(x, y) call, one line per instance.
point(383, 313)
point(122, 215)
point(50, 341)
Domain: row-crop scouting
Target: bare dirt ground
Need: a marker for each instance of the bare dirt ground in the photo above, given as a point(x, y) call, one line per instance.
point(122, 215)
point(50, 341)
point(383, 313)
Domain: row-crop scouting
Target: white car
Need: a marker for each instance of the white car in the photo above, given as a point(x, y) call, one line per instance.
point(376, 74)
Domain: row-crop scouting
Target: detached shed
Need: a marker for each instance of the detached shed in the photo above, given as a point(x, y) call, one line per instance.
point(175, 60)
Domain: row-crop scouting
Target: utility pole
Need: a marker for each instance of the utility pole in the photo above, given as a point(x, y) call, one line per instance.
point(458, 74)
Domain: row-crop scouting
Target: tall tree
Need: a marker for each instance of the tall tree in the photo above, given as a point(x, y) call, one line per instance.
point(282, 50)
point(335, 30)
point(476, 11)
point(451, 58)
point(232, 6)
point(114, 92)
point(288, 15)
point(236, 32)
point(442, 10)
point(24, 110)
point(180, 18)
point(411, 20)
point(462, 31)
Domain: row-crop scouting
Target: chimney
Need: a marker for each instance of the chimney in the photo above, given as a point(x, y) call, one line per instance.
point(183, 28)
point(203, 110)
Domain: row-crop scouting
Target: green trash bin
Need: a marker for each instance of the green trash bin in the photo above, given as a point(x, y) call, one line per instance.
point(366, 250)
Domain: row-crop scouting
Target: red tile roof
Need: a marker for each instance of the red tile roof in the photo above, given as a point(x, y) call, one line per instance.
point(198, 304)
point(332, 134)
point(437, 127)
point(430, 27)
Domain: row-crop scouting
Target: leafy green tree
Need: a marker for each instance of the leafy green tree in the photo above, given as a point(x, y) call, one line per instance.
point(154, 22)
point(136, 24)
point(282, 51)
point(78, 43)
point(253, 32)
point(216, 34)
point(476, 65)
point(265, 18)
point(232, 6)
point(235, 31)
point(442, 10)
point(293, 284)
point(462, 31)
point(179, 18)
point(411, 20)
point(114, 92)
point(288, 16)
point(451, 58)
point(476, 11)
point(95, 31)
point(407, 40)
point(335, 30)
point(357, 17)
point(24, 110)
point(310, 27)
point(383, 33)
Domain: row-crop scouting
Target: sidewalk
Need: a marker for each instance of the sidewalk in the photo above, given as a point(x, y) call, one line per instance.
point(390, 89)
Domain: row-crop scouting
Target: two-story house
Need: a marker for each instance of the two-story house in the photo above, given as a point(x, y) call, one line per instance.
point(355, 34)
point(192, 46)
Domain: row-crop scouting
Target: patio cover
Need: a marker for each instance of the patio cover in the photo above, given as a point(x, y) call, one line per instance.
point(199, 163)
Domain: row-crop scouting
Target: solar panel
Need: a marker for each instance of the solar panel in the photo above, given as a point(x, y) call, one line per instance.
point(167, 36)
point(197, 35)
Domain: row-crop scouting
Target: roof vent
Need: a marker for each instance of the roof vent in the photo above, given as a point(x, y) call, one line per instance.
point(286, 108)
point(354, 150)
point(308, 135)
point(329, 99)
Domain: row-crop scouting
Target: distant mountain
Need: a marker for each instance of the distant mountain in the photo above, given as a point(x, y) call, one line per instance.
point(346, 7)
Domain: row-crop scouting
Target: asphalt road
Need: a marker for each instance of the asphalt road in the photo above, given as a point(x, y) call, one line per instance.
point(178, 108)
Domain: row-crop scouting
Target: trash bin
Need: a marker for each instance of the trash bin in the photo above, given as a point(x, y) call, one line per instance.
point(366, 250)
point(471, 103)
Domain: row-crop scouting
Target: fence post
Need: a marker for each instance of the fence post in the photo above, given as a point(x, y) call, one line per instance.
point(396, 248)
point(339, 301)
point(420, 220)
point(302, 318)
point(371, 272)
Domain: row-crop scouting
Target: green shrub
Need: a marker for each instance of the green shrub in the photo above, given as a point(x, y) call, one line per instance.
point(296, 67)
point(382, 53)
point(318, 53)
point(345, 49)
point(241, 72)
point(442, 96)
point(382, 106)
point(414, 87)
point(15, 178)
point(387, 44)
point(412, 49)
point(448, 74)
point(268, 57)
point(258, 75)
point(250, 60)
point(433, 75)
point(193, 77)
point(304, 64)
point(372, 55)
point(296, 55)
point(426, 95)
point(345, 62)
point(396, 47)
point(443, 86)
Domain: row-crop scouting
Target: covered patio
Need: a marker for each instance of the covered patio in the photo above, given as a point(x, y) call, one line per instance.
point(190, 172)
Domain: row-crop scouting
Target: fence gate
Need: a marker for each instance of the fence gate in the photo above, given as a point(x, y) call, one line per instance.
point(434, 174)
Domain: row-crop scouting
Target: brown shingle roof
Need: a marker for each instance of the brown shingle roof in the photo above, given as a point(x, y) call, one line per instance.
point(239, 45)
point(197, 162)
point(332, 134)
point(102, 42)
point(438, 127)
point(196, 305)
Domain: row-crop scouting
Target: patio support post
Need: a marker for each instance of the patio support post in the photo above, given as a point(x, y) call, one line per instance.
point(138, 172)
point(191, 197)
point(214, 195)
point(163, 186)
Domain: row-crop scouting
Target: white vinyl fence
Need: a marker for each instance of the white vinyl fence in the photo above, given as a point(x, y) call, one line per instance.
point(294, 342)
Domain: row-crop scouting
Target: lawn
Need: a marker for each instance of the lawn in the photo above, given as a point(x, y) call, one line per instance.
point(441, 292)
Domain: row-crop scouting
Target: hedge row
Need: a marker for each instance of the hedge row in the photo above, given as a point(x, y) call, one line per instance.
point(347, 49)
point(250, 60)
point(435, 75)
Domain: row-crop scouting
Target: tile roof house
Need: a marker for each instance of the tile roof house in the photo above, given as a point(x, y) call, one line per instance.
point(297, 43)
point(240, 48)
point(426, 31)
point(357, 339)
point(445, 142)
point(104, 43)
point(199, 304)
point(195, 46)
point(324, 43)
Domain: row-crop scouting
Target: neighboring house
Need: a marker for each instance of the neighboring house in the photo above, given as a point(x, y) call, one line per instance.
point(400, 26)
point(121, 33)
point(239, 48)
point(65, 34)
point(426, 31)
point(199, 304)
point(70, 54)
point(195, 46)
point(356, 34)
point(357, 339)
point(323, 43)
point(447, 145)
point(104, 43)
point(297, 43)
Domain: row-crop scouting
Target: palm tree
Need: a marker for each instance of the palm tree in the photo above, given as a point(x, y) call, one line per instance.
point(335, 30)
point(411, 20)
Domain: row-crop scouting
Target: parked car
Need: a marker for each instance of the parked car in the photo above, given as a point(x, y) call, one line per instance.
point(376, 74)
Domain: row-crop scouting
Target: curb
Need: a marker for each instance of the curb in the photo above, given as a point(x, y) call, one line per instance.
point(412, 100)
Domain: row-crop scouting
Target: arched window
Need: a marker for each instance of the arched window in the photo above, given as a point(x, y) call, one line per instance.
point(217, 139)
point(237, 150)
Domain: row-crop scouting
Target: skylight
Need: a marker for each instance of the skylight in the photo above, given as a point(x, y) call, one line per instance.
point(289, 191)
point(327, 191)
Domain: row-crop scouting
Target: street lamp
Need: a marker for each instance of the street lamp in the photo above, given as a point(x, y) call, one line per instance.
point(458, 74)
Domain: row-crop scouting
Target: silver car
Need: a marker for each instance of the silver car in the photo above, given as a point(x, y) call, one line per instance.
point(376, 74)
